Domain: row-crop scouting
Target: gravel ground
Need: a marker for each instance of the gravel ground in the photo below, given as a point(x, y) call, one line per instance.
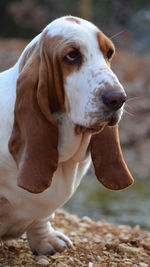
point(96, 244)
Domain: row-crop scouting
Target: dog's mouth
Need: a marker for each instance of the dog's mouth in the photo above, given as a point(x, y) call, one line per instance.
point(98, 127)
point(91, 130)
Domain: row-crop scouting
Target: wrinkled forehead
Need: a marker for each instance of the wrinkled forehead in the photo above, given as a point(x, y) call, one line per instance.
point(77, 30)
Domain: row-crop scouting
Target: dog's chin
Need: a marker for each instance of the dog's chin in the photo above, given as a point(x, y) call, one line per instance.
point(113, 121)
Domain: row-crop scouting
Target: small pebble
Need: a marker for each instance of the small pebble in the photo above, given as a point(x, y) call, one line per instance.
point(42, 260)
point(128, 250)
point(142, 264)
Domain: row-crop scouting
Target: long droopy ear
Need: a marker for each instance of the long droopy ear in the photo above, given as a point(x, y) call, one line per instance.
point(110, 167)
point(34, 139)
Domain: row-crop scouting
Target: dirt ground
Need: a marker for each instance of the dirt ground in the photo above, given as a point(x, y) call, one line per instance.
point(97, 244)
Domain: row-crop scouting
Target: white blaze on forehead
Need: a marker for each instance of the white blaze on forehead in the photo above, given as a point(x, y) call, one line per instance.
point(66, 26)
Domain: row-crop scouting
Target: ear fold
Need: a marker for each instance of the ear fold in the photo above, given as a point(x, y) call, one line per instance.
point(34, 139)
point(110, 167)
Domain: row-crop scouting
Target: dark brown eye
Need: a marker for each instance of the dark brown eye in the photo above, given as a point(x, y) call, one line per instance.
point(109, 54)
point(73, 57)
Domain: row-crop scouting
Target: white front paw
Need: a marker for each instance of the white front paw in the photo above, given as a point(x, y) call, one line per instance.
point(47, 241)
point(54, 242)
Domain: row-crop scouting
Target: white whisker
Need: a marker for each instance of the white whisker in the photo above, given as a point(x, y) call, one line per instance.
point(129, 113)
point(115, 35)
point(132, 98)
point(127, 105)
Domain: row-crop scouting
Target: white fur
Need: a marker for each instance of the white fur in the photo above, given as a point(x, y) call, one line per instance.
point(30, 212)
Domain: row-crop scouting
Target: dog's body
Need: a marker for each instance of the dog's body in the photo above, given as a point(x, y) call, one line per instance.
point(77, 114)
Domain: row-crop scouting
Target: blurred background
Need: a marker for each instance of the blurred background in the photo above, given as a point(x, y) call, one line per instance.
point(127, 22)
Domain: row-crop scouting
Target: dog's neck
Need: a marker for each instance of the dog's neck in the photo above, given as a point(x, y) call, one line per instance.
point(71, 145)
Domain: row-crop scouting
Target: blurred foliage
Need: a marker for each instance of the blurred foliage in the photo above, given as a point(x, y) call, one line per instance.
point(25, 18)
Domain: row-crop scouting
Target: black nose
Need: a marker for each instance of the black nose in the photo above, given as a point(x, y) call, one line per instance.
point(113, 99)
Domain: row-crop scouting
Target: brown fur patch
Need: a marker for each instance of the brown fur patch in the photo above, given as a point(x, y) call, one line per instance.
point(110, 167)
point(105, 45)
point(26, 55)
point(75, 20)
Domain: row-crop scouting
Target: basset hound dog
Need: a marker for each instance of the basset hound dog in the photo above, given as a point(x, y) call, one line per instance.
point(60, 105)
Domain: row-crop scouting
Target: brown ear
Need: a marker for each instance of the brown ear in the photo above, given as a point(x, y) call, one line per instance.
point(34, 139)
point(110, 167)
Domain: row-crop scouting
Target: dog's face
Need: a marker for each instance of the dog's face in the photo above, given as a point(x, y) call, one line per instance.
point(93, 94)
